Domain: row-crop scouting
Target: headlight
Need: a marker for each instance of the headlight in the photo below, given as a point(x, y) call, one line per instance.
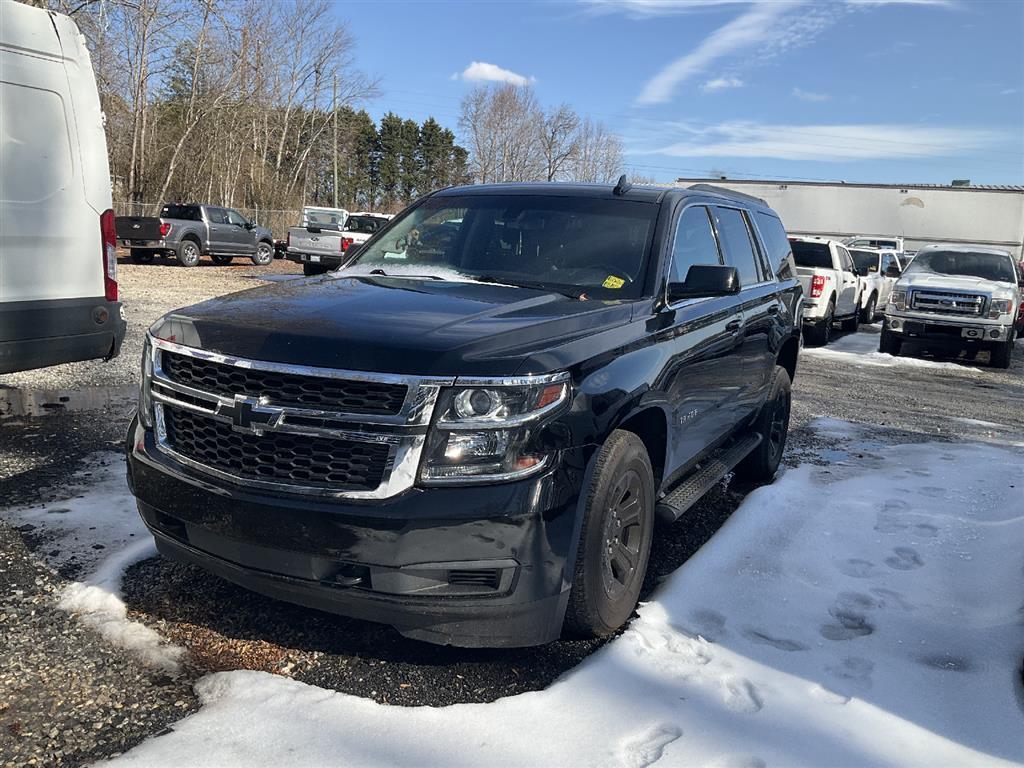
point(484, 433)
point(898, 299)
point(999, 307)
point(145, 398)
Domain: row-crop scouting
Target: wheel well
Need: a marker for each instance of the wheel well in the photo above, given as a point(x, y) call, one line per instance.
point(787, 357)
point(267, 242)
point(651, 427)
point(191, 236)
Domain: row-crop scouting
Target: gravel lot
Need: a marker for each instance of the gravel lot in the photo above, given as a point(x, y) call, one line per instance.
point(67, 698)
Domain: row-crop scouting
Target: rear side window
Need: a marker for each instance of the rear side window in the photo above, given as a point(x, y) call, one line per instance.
point(813, 255)
point(695, 243)
point(736, 244)
point(186, 212)
point(35, 152)
point(777, 244)
point(217, 215)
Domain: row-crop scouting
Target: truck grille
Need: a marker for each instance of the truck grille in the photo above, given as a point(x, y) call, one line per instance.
point(324, 393)
point(947, 303)
point(282, 457)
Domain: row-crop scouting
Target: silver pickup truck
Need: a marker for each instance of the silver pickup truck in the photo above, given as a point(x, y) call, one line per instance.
point(187, 231)
point(956, 297)
point(329, 237)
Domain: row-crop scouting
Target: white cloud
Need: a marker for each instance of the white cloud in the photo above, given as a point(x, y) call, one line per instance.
point(800, 93)
point(816, 142)
point(1008, 91)
point(481, 71)
point(721, 83)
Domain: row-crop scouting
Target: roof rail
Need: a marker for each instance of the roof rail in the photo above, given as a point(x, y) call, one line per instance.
point(714, 189)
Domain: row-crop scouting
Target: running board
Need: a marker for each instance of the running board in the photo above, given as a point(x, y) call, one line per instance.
point(690, 490)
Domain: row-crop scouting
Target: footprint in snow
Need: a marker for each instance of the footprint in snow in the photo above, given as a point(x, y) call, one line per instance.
point(853, 669)
point(904, 559)
point(891, 599)
point(646, 747)
point(849, 620)
point(742, 696)
point(933, 491)
point(709, 624)
point(781, 643)
point(857, 568)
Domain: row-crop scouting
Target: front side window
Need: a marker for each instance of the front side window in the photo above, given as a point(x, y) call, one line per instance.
point(888, 260)
point(736, 244)
point(597, 246)
point(987, 266)
point(234, 217)
point(844, 259)
point(694, 244)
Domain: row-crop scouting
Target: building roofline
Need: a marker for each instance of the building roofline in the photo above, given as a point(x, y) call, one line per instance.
point(1016, 189)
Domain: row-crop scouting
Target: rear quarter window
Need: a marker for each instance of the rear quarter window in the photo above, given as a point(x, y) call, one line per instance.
point(812, 255)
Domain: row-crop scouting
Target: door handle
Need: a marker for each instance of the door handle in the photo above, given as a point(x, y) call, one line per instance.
point(734, 325)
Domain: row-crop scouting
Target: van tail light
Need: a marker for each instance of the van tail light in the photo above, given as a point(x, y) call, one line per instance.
point(346, 242)
point(108, 242)
point(165, 229)
point(817, 285)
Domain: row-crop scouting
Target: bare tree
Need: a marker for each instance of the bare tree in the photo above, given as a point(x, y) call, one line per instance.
point(599, 156)
point(501, 123)
point(558, 140)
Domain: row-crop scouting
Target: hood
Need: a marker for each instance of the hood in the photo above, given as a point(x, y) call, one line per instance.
point(917, 280)
point(396, 325)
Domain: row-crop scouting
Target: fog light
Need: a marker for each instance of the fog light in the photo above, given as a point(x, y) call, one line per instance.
point(994, 333)
point(894, 323)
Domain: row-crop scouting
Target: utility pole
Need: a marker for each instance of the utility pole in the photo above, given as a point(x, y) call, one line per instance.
point(335, 153)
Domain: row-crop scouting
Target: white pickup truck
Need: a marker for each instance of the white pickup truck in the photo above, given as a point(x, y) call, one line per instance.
point(956, 297)
point(832, 291)
point(879, 269)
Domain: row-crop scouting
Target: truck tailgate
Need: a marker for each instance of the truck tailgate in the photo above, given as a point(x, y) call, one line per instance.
point(324, 242)
point(137, 228)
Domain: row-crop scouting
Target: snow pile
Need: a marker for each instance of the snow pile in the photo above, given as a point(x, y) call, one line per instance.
point(99, 530)
point(864, 613)
point(862, 349)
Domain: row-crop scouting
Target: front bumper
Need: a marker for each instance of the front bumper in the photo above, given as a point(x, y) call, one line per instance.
point(946, 330)
point(471, 566)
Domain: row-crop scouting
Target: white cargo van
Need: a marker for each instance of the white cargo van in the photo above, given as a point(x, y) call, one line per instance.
point(58, 267)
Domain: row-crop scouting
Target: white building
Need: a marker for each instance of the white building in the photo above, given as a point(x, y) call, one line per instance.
point(921, 213)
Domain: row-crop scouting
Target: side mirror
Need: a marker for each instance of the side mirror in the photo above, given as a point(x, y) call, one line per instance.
point(249, 225)
point(892, 272)
point(703, 280)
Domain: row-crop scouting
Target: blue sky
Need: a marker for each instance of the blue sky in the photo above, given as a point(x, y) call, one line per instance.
point(860, 90)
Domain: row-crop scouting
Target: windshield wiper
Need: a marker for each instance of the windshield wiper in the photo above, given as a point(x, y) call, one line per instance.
point(382, 273)
point(572, 293)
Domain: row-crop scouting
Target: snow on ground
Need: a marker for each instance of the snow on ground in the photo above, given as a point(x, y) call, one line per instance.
point(868, 612)
point(862, 349)
point(97, 528)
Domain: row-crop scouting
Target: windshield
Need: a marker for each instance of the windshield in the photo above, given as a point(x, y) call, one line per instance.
point(866, 261)
point(814, 255)
point(366, 225)
point(570, 244)
point(987, 266)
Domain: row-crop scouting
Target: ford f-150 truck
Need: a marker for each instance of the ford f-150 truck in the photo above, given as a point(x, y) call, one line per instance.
point(469, 432)
point(956, 297)
point(321, 246)
point(877, 272)
point(831, 285)
point(187, 231)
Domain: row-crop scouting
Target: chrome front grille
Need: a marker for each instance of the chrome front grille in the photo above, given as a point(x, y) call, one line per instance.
point(290, 428)
point(948, 303)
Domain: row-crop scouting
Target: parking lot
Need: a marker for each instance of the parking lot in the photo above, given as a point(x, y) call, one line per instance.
point(51, 450)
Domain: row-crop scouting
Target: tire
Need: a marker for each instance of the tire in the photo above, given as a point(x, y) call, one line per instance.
point(772, 422)
point(188, 254)
point(821, 334)
point(142, 257)
point(851, 324)
point(313, 269)
point(1001, 354)
point(264, 254)
point(222, 260)
point(612, 557)
point(889, 344)
point(867, 315)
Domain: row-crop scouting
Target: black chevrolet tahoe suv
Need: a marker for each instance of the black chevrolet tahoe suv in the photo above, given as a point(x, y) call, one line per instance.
point(470, 431)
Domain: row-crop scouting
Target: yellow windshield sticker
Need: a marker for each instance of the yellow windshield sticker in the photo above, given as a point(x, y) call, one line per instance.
point(613, 282)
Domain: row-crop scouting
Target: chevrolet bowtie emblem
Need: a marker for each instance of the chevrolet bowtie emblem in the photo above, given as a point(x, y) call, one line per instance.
point(247, 414)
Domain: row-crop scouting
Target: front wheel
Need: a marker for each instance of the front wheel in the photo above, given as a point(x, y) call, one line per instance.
point(772, 422)
point(889, 343)
point(615, 541)
point(264, 254)
point(188, 255)
point(868, 313)
point(1000, 355)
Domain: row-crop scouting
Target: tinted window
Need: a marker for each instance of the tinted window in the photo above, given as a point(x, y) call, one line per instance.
point(814, 255)
point(844, 259)
point(217, 215)
point(694, 244)
point(775, 240)
point(598, 245)
point(234, 217)
point(739, 252)
point(866, 261)
point(177, 211)
point(888, 260)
